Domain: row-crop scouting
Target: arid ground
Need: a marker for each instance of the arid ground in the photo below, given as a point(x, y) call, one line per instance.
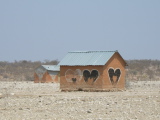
point(45, 101)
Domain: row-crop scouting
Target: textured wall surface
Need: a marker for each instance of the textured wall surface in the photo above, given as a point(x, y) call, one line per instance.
point(107, 77)
point(43, 76)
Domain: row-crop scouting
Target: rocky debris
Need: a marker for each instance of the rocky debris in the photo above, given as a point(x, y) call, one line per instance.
point(44, 102)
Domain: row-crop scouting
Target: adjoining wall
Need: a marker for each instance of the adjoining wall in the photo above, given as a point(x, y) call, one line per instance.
point(36, 78)
point(47, 77)
point(94, 78)
point(81, 77)
point(114, 73)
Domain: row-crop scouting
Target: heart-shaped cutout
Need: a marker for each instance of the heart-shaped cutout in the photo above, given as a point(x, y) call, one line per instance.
point(114, 75)
point(90, 75)
point(40, 72)
point(73, 76)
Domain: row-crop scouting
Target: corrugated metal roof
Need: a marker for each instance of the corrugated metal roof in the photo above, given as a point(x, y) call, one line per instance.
point(52, 67)
point(86, 58)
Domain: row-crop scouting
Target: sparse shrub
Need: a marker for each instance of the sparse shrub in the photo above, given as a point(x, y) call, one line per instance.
point(21, 70)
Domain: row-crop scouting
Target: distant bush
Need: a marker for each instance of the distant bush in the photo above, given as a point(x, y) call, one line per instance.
point(21, 70)
point(143, 70)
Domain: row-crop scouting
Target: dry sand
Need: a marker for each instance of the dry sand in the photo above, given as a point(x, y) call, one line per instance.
point(30, 101)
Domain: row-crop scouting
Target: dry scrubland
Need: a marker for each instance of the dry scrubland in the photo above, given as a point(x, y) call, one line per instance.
point(29, 101)
point(23, 70)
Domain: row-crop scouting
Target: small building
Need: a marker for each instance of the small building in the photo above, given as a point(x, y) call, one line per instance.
point(92, 71)
point(46, 74)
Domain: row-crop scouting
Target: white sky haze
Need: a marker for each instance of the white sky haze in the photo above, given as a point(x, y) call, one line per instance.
point(47, 29)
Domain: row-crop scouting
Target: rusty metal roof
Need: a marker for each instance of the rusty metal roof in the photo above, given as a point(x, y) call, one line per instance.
point(86, 58)
point(52, 67)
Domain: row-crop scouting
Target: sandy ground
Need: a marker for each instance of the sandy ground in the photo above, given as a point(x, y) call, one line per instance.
point(44, 101)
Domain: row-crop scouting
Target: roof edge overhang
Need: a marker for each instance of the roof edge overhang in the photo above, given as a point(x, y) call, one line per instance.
point(126, 64)
point(115, 52)
point(43, 66)
point(53, 70)
point(81, 65)
point(89, 51)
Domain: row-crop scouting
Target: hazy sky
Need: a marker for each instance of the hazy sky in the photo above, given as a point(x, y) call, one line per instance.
point(48, 29)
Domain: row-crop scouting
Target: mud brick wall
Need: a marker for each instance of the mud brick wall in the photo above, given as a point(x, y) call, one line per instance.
point(94, 78)
point(46, 78)
point(114, 64)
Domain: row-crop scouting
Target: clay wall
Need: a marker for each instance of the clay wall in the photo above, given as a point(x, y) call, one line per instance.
point(46, 78)
point(81, 77)
point(116, 80)
point(94, 78)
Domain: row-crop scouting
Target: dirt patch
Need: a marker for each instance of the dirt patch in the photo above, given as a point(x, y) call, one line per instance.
point(44, 101)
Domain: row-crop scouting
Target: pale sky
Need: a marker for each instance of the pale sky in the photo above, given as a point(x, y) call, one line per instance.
point(47, 29)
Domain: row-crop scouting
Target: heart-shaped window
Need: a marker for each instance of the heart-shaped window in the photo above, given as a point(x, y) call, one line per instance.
point(114, 75)
point(93, 75)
